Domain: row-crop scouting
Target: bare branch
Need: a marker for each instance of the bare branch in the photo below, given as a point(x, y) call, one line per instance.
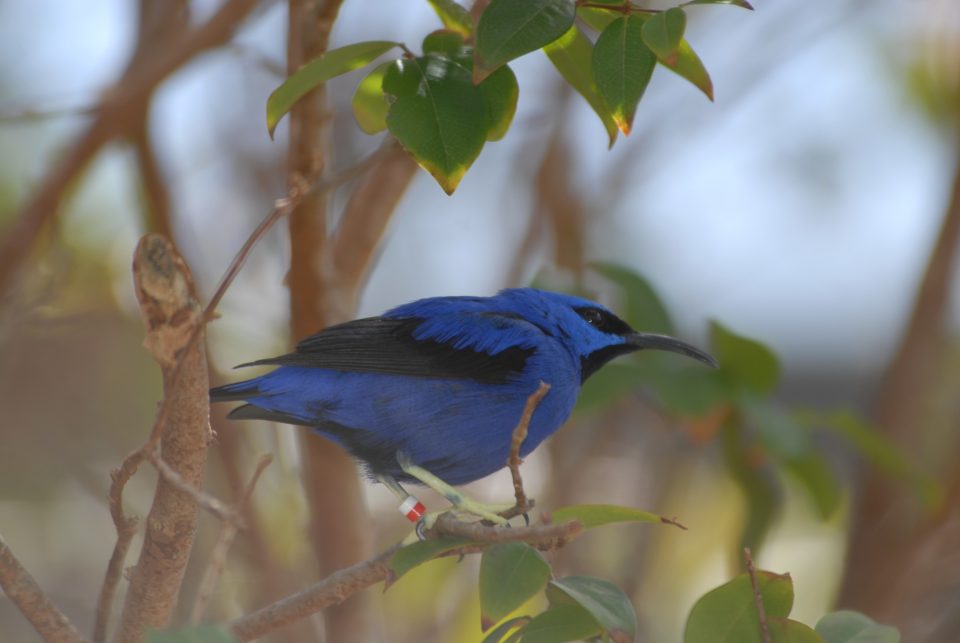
point(172, 313)
point(23, 591)
point(516, 441)
point(757, 597)
point(218, 557)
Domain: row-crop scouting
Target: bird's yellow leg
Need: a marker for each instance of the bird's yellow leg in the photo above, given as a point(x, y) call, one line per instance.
point(458, 500)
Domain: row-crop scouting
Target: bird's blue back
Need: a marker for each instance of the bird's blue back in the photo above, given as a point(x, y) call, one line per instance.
point(444, 380)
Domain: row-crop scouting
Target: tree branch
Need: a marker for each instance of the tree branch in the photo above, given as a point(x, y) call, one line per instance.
point(757, 597)
point(516, 441)
point(120, 108)
point(172, 313)
point(341, 585)
point(23, 591)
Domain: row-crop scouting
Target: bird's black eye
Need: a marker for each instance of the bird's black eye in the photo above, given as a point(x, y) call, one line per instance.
point(604, 321)
point(592, 316)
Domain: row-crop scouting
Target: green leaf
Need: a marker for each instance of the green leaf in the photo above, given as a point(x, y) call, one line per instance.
point(622, 67)
point(453, 16)
point(418, 553)
point(318, 71)
point(606, 602)
point(496, 635)
point(508, 29)
point(737, 3)
point(644, 308)
point(847, 626)
point(591, 516)
point(819, 481)
point(728, 614)
point(195, 634)
point(370, 106)
point(663, 33)
point(748, 364)
point(501, 91)
point(560, 623)
point(450, 44)
point(611, 383)
point(438, 115)
point(510, 573)
point(688, 65)
point(571, 54)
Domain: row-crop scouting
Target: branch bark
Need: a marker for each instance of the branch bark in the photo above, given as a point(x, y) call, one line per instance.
point(23, 591)
point(119, 110)
point(172, 313)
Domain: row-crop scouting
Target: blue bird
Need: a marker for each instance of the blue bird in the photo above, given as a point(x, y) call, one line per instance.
point(430, 391)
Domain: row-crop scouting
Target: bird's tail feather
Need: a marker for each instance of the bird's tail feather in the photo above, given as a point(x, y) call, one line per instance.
point(236, 392)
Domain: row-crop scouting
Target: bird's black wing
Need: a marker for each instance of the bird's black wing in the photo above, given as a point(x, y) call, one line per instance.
point(387, 345)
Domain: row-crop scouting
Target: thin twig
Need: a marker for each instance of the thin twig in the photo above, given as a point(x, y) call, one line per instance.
point(218, 556)
point(757, 597)
point(205, 501)
point(516, 441)
point(341, 585)
point(23, 591)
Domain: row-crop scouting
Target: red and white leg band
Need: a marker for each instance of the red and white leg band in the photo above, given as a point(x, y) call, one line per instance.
point(412, 508)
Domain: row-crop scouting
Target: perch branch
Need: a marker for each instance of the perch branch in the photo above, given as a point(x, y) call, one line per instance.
point(757, 597)
point(20, 587)
point(172, 313)
point(340, 585)
point(516, 441)
point(218, 557)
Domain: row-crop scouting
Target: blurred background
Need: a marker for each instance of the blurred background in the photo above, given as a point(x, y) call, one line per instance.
point(813, 207)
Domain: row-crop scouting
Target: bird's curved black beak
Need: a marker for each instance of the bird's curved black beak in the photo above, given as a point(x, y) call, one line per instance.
point(642, 341)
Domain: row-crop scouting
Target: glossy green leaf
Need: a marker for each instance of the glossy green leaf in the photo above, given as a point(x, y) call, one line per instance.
point(737, 3)
point(453, 16)
point(500, 89)
point(728, 614)
point(591, 516)
point(510, 573)
point(437, 114)
point(663, 33)
point(370, 105)
point(571, 54)
point(508, 29)
point(606, 602)
point(644, 310)
point(688, 65)
point(622, 67)
point(559, 624)
point(847, 626)
point(501, 92)
point(318, 71)
point(419, 553)
point(496, 634)
point(745, 362)
point(449, 43)
point(195, 634)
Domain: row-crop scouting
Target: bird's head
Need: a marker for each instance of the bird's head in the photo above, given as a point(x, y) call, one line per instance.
point(591, 332)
